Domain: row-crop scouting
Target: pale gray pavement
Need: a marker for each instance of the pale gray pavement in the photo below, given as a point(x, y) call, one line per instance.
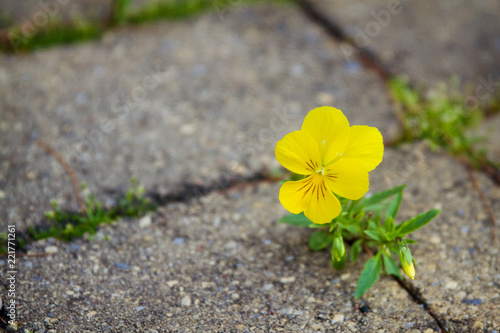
point(206, 99)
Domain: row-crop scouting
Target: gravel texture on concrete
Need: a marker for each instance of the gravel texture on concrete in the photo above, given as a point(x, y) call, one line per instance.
point(429, 41)
point(220, 263)
point(197, 101)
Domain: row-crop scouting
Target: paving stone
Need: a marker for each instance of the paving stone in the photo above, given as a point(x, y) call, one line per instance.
point(234, 246)
point(194, 101)
point(428, 41)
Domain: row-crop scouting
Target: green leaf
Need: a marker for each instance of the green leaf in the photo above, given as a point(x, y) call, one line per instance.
point(411, 241)
point(356, 249)
point(369, 275)
point(391, 267)
point(353, 228)
point(373, 235)
point(319, 240)
point(299, 220)
point(379, 197)
point(389, 227)
point(415, 223)
point(393, 209)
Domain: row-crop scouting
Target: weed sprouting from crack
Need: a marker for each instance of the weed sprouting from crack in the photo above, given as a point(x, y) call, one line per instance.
point(444, 121)
point(66, 225)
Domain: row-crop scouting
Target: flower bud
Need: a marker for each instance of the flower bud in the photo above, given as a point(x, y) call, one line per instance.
point(338, 247)
point(406, 260)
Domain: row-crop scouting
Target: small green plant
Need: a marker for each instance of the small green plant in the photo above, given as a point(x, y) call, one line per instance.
point(368, 223)
point(168, 10)
point(442, 120)
point(66, 225)
point(54, 33)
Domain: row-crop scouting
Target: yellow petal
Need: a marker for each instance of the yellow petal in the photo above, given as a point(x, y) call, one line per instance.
point(366, 147)
point(347, 179)
point(312, 196)
point(323, 206)
point(298, 152)
point(330, 129)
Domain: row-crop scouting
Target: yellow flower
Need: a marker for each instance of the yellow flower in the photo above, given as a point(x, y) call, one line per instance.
point(335, 158)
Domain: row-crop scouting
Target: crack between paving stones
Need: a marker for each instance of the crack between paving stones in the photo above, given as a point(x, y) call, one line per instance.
point(419, 299)
point(188, 191)
point(367, 58)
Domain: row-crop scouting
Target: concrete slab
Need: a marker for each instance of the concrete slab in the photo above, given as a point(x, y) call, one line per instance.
point(193, 101)
point(428, 41)
point(221, 263)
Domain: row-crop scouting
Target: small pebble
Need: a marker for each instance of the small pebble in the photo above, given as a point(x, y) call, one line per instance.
point(288, 279)
point(51, 249)
point(186, 301)
point(121, 265)
point(2, 194)
point(91, 314)
point(139, 308)
point(172, 283)
point(179, 240)
point(145, 222)
point(474, 301)
point(338, 318)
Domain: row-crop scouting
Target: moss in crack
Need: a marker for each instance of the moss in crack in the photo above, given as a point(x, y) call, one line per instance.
point(54, 33)
point(57, 32)
point(179, 9)
point(66, 225)
point(443, 120)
